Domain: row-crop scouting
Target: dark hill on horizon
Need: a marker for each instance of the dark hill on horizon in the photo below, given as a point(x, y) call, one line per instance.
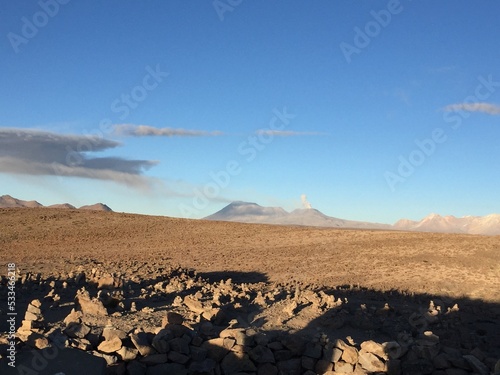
point(7, 201)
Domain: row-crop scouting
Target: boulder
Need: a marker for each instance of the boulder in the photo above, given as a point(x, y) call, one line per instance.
point(374, 348)
point(275, 345)
point(197, 353)
point(477, 365)
point(91, 306)
point(370, 362)
point(343, 367)
point(172, 318)
point(110, 346)
point(167, 368)
point(105, 282)
point(294, 343)
point(179, 345)
point(215, 349)
point(267, 369)
point(154, 359)
point(261, 354)
point(308, 363)
point(282, 355)
point(393, 349)
point(349, 355)
point(109, 332)
point(236, 333)
point(178, 357)
point(290, 367)
point(206, 366)
point(497, 367)
point(290, 308)
point(161, 339)
point(234, 363)
point(323, 366)
point(77, 330)
point(331, 353)
point(78, 343)
point(313, 351)
point(194, 305)
point(109, 358)
point(127, 354)
point(441, 361)
point(35, 308)
point(73, 317)
point(140, 341)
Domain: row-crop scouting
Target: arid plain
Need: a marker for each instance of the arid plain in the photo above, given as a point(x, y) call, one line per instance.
point(159, 295)
point(45, 240)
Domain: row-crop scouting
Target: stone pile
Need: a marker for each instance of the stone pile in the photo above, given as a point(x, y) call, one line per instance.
point(32, 327)
point(178, 349)
point(180, 323)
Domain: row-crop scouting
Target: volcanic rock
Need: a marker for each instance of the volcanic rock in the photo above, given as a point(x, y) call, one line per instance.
point(370, 362)
point(235, 362)
point(127, 354)
point(90, 306)
point(77, 330)
point(110, 346)
point(140, 341)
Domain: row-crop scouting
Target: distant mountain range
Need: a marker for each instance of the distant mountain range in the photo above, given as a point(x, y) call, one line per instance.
point(6, 201)
point(246, 212)
point(489, 224)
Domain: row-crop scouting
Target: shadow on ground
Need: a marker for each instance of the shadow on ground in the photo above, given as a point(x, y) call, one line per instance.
point(239, 323)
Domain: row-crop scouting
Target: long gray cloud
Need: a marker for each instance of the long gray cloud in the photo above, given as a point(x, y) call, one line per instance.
point(132, 130)
point(146, 130)
point(490, 109)
point(36, 152)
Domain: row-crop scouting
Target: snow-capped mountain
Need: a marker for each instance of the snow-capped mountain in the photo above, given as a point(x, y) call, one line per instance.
point(489, 225)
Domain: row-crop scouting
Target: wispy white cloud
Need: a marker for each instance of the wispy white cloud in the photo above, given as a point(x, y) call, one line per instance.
point(286, 133)
point(132, 130)
point(34, 152)
point(490, 109)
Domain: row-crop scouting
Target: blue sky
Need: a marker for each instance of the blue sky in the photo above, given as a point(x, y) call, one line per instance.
point(179, 107)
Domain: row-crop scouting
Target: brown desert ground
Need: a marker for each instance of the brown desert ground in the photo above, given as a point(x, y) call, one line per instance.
point(279, 278)
point(46, 240)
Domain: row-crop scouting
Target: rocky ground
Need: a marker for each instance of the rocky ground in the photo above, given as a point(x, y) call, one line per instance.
point(118, 294)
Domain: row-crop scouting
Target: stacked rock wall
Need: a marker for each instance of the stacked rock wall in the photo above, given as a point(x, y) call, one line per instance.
point(181, 323)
